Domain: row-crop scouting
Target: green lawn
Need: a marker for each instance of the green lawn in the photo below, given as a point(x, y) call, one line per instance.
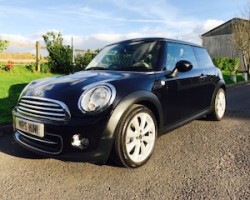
point(11, 85)
point(226, 75)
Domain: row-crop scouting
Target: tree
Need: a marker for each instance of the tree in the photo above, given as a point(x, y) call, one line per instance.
point(60, 56)
point(3, 44)
point(241, 37)
point(82, 61)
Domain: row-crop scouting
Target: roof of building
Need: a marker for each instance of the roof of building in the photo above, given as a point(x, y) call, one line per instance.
point(223, 29)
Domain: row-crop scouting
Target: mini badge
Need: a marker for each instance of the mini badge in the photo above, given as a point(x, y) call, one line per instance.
point(39, 93)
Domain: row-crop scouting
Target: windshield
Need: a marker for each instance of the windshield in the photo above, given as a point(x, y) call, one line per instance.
point(132, 56)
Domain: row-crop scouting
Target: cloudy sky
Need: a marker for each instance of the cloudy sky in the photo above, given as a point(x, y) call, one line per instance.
point(95, 23)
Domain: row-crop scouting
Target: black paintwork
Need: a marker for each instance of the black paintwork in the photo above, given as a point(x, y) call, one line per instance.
point(175, 97)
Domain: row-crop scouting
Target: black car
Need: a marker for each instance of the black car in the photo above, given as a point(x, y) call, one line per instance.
point(132, 92)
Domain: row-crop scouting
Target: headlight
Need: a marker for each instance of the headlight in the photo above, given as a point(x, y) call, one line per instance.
point(97, 98)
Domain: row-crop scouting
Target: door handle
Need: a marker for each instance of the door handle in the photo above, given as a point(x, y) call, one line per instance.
point(203, 76)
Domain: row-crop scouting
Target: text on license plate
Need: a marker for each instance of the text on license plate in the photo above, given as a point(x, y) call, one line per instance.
point(33, 128)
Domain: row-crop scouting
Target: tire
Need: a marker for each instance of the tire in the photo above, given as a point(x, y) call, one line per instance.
point(136, 135)
point(219, 105)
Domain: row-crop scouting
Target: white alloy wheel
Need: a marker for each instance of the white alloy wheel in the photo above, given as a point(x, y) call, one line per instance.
point(220, 103)
point(140, 137)
point(136, 135)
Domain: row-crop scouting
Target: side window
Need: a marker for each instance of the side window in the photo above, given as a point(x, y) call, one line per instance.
point(203, 59)
point(177, 52)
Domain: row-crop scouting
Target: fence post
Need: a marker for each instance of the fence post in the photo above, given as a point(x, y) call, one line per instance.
point(38, 48)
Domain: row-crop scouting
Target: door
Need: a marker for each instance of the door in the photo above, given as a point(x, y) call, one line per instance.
point(183, 95)
point(208, 77)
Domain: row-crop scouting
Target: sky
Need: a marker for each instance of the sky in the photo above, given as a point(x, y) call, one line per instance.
point(96, 23)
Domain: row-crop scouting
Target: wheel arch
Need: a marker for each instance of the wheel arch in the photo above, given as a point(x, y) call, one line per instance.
point(151, 106)
point(220, 84)
point(145, 98)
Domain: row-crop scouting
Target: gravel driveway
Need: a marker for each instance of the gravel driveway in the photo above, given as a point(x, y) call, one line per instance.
point(201, 160)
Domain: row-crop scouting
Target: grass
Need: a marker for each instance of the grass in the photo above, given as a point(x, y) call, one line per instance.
point(226, 75)
point(11, 85)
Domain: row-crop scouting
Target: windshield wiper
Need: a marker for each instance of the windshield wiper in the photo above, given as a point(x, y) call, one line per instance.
point(96, 68)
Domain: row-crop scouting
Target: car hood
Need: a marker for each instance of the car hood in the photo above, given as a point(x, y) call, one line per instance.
point(78, 80)
point(69, 88)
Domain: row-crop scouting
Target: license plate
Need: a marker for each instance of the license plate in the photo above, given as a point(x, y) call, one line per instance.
point(33, 128)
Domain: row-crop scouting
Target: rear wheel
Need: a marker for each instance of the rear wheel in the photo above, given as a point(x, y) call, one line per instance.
point(135, 137)
point(219, 105)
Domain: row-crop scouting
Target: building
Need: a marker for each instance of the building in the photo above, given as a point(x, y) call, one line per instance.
point(218, 42)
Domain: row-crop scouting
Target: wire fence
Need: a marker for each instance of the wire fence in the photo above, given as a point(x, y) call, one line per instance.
point(28, 53)
point(23, 53)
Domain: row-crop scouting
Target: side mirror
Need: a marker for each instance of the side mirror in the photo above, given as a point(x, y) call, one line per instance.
point(183, 66)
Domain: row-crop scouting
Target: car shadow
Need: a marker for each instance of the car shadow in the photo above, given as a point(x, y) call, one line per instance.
point(8, 103)
point(230, 113)
point(10, 147)
point(7, 142)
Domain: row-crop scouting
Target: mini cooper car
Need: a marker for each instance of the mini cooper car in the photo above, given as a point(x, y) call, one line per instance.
point(131, 92)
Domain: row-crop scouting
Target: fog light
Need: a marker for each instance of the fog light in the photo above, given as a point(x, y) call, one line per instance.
point(79, 142)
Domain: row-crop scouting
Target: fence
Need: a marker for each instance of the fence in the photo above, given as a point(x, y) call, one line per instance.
point(17, 61)
point(33, 58)
point(24, 61)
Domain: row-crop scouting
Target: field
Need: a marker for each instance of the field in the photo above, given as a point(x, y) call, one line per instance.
point(11, 85)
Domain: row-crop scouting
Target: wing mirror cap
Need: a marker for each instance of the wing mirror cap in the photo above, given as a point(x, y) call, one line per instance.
point(183, 66)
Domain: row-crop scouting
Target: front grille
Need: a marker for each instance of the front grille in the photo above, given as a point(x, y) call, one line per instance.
point(50, 144)
point(43, 108)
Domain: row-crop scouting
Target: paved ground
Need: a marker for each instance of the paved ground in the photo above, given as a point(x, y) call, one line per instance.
point(201, 160)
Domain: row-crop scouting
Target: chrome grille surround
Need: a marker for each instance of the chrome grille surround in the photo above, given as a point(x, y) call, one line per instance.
point(43, 108)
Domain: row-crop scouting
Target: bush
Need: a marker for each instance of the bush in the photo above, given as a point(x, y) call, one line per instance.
point(45, 68)
point(81, 61)
point(3, 44)
point(227, 64)
point(9, 66)
point(2, 67)
point(233, 66)
point(60, 56)
point(219, 62)
point(31, 67)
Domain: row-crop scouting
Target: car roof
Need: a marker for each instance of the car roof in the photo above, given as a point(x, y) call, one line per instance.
point(157, 39)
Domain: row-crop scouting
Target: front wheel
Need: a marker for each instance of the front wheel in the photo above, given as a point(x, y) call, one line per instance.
point(219, 105)
point(135, 136)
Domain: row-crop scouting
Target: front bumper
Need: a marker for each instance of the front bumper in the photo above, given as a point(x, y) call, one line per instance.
point(58, 137)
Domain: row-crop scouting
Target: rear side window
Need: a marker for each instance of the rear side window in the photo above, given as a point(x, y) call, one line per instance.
point(177, 52)
point(202, 57)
